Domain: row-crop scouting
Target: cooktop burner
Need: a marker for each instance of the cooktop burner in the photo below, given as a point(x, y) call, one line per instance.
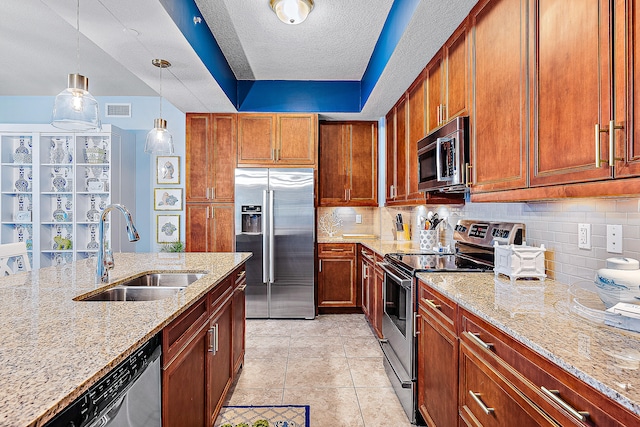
point(417, 262)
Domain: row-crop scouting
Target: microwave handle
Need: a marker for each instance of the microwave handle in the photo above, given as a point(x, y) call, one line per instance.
point(438, 162)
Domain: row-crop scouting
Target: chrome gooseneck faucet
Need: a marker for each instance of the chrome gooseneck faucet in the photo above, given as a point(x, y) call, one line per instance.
point(105, 257)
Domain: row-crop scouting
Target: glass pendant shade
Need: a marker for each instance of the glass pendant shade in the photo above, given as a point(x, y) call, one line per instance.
point(159, 140)
point(292, 12)
point(75, 109)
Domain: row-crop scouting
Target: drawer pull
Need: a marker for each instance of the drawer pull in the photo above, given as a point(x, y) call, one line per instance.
point(242, 274)
point(336, 250)
point(555, 396)
point(242, 288)
point(431, 303)
point(476, 338)
point(212, 345)
point(485, 408)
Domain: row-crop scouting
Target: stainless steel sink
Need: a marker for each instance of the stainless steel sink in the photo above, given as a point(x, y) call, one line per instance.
point(133, 294)
point(171, 280)
point(147, 287)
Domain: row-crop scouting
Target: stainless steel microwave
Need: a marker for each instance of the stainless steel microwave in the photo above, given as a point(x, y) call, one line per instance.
point(443, 158)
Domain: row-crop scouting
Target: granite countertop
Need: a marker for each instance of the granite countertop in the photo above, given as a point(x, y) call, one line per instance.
point(539, 315)
point(381, 247)
point(53, 348)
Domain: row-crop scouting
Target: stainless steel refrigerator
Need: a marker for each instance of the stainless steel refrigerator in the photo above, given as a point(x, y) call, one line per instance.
point(275, 220)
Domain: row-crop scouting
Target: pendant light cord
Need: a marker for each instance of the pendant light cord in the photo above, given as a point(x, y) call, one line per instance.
point(160, 90)
point(78, 37)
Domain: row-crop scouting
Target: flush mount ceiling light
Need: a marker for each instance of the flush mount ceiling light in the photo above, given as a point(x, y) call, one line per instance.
point(292, 11)
point(159, 140)
point(75, 109)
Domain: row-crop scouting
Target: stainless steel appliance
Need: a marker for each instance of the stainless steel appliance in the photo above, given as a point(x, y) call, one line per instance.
point(128, 396)
point(473, 253)
point(275, 219)
point(443, 158)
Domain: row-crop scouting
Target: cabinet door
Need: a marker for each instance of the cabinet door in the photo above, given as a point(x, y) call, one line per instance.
point(417, 129)
point(376, 296)
point(198, 155)
point(366, 272)
point(488, 399)
point(219, 361)
point(434, 92)
point(184, 385)
point(256, 139)
point(499, 113)
point(333, 169)
point(457, 73)
point(297, 139)
point(223, 149)
point(209, 227)
point(571, 90)
point(336, 282)
point(627, 78)
point(391, 155)
point(239, 311)
point(401, 150)
point(362, 158)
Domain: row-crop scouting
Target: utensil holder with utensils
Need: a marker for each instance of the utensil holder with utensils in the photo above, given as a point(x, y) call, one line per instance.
point(428, 240)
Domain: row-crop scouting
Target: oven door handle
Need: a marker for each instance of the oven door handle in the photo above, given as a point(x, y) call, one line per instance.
point(404, 282)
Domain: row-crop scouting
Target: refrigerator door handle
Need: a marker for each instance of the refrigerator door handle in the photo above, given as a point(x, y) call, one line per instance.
point(265, 244)
point(272, 273)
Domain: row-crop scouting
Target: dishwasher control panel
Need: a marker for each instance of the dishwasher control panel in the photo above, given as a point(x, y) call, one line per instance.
point(108, 390)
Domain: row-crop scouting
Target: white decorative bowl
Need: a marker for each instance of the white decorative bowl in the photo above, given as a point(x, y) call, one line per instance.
point(619, 282)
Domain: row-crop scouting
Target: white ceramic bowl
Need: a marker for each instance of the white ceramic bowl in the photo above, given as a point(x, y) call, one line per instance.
point(619, 282)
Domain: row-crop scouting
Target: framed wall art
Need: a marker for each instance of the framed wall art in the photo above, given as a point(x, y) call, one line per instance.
point(167, 228)
point(167, 199)
point(168, 170)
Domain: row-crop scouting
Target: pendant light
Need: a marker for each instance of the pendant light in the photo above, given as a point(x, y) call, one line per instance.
point(292, 12)
point(159, 140)
point(75, 109)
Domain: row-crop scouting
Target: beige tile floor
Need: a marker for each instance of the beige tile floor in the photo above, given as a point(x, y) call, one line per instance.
point(332, 363)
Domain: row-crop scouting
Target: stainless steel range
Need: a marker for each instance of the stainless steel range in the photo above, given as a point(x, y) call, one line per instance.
point(473, 253)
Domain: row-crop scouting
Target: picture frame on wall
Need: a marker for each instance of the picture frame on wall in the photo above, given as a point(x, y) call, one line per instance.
point(168, 170)
point(167, 228)
point(167, 199)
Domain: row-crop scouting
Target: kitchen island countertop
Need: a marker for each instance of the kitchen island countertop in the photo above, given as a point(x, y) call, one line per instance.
point(539, 315)
point(53, 348)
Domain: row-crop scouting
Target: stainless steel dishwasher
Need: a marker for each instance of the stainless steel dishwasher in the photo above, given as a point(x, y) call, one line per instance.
point(129, 395)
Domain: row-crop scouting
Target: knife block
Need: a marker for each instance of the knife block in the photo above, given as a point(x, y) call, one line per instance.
point(405, 234)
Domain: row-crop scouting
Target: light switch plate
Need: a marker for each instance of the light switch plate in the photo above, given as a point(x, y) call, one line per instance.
point(614, 239)
point(358, 219)
point(584, 236)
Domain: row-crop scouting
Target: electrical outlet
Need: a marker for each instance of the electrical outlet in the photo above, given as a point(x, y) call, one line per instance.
point(614, 239)
point(358, 219)
point(584, 236)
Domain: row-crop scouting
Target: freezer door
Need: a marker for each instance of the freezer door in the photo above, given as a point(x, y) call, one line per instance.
point(292, 289)
point(250, 189)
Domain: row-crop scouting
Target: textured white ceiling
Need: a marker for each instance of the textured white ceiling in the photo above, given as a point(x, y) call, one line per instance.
point(38, 47)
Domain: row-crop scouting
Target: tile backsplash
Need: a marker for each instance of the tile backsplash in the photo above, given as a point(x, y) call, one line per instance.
point(553, 223)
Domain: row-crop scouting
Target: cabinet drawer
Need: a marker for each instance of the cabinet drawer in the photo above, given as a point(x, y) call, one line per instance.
point(336, 249)
point(219, 294)
point(565, 398)
point(181, 330)
point(433, 302)
point(488, 399)
point(367, 253)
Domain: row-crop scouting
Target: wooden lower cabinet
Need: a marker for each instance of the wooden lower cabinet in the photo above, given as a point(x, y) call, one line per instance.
point(337, 284)
point(209, 227)
point(488, 399)
point(371, 287)
point(239, 322)
point(198, 354)
point(437, 375)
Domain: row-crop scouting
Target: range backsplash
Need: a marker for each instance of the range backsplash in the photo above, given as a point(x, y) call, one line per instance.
point(553, 223)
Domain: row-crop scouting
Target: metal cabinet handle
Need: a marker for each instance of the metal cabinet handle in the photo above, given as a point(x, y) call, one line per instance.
point(207, 212)
point(416, 332)
point(599, 130)
point(555, 396)
point(476, 338)
point(242, 274)
point(485, 408)
point(612, 142)
point(467, 174)
point(242, 288)
point(212, 346)
point(217, 338)
point(365, 271)
point(431, 303)
point(319, 265)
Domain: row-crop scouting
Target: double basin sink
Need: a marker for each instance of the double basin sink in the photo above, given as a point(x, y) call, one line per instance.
point(146, 287)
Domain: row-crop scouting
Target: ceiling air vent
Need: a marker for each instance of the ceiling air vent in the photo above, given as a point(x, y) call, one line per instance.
point(117, 110)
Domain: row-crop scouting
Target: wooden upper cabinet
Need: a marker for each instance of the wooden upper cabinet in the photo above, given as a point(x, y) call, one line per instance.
point(277, 139)
point(456, 52)
point(390, 155)
point(348, 164)
point(256, 139)
point(417, 129)
point(210, 157)
point(571, 90)
point(627, 108)
point(297, 136)
point(434, 81)
point(401, 151)
point(499, 113)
